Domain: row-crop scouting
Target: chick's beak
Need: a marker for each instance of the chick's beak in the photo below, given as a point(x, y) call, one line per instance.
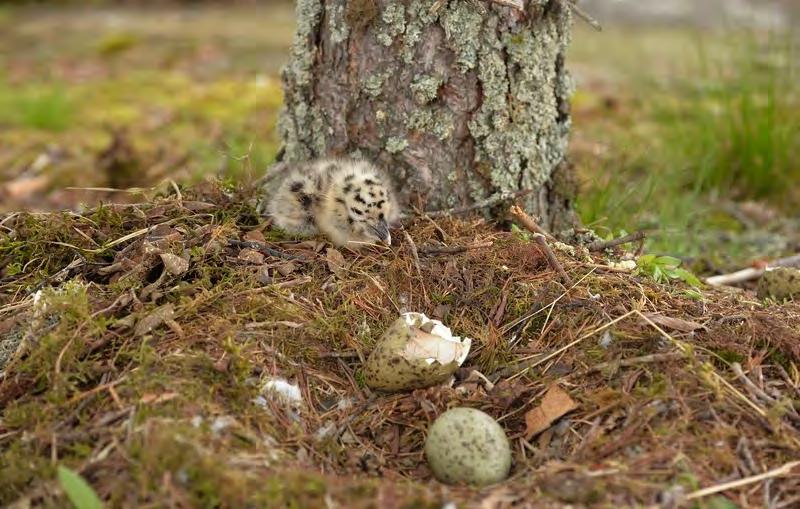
point(383, 233)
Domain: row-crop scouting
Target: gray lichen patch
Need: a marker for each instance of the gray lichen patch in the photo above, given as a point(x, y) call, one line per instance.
point(462, 25)
point(518, 124)
point(301, 124)
point(394, 23)
point(396, 144)
point(426, 88)
point(337, 23)
point(308, 14)
point(373, 85)
point(437, 122)
point(419, 14)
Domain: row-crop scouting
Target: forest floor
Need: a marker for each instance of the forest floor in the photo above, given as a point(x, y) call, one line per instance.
point(143, 361)
point(145, 364)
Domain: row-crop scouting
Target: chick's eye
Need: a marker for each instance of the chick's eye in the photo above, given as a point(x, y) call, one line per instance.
point(381, 216)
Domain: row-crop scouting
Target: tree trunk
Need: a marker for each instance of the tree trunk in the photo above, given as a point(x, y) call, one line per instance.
point(458, 99)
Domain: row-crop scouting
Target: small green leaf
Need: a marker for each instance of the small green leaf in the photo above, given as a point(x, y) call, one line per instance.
point(645, 260)
point(668, 261)
point(658, 275)
point(693, 294)
point(79, 492)
point(688, 278)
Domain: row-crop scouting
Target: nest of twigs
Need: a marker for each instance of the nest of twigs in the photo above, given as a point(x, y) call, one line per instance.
point(136, 340)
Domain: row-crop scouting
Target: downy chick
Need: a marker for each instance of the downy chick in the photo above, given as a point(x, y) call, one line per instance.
point(349, 201)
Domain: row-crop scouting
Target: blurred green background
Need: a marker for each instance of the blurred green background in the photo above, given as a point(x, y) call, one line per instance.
point(685, 124)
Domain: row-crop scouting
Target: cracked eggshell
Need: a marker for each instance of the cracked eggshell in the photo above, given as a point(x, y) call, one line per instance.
point(465, 445)
point(414, 352)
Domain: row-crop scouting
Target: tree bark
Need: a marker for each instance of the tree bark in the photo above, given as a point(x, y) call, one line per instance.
point(458, 99)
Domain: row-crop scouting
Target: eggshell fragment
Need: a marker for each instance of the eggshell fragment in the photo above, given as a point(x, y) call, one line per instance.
point(414, 352)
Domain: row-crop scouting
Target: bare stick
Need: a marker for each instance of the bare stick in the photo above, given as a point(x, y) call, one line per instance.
point(551, 258)
point(635, 361)
point(584, 15)
point(527, 221)
point(757, 391)
point(776, 472)
point(414, 252)
point(433, 250)
point(483, 204)
point(605, 244)
point(749, 274)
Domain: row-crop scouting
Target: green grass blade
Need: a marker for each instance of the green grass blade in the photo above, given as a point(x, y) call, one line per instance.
point(79, 492)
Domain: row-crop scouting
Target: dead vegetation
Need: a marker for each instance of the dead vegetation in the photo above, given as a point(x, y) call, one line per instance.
point(142, 361)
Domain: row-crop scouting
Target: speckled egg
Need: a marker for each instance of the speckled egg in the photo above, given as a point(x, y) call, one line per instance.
point(780, 283)
point(466, 445)
point(414, 352)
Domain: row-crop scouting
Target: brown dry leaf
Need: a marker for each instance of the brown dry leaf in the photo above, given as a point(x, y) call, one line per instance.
point(251, 256)
point(254, 236)
point(313, 245)
point(285, 269)
point(174, 264)
point(336, 263)
point(158, 316)
point(556, 403)
point(673, 323)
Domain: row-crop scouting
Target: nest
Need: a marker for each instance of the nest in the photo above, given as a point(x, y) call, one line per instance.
point(140, 338)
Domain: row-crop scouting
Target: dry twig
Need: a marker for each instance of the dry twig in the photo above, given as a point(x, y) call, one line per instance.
point(605, 244)
point(532, 363)
point(539, 234)
point(776, 472)
point(491, 201)
point(751, 273)
point(551, 258)
point(584, 15)
point(635, 361)
point(522, 217)
point(435, 250)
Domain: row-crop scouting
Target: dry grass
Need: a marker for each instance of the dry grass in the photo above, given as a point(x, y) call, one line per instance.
point(144, 380)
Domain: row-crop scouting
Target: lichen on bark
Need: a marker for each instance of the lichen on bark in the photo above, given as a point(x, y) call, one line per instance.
point(458, 103)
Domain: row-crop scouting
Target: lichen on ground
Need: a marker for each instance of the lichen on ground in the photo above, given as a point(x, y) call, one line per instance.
point(150, 406)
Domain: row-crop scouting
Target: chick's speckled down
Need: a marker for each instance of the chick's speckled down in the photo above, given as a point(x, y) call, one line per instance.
point(350, 201)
